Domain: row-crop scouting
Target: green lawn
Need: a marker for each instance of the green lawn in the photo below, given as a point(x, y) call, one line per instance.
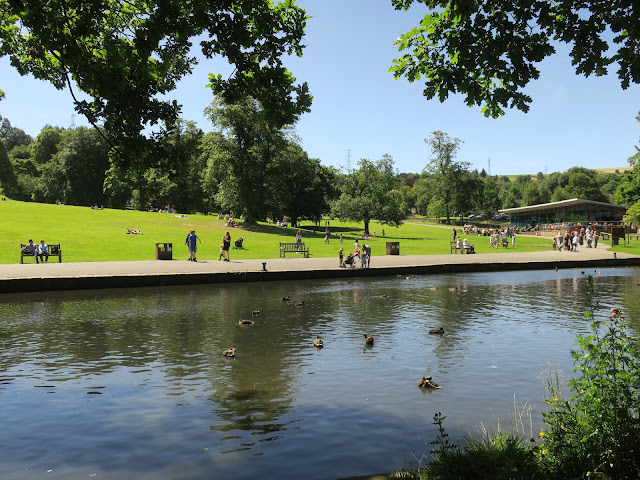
point(100, 235)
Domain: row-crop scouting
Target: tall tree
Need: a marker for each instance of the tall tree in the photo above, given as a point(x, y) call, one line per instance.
point(369, 193)
point(46, 144)
point(8, 181)
point(244, 156)
point(302, 187)
point(489, 50)
point(128, 55)
point(76, 173)
point(448, 171)
point(13, 136)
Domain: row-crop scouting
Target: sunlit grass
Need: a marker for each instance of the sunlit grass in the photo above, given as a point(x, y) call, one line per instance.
point(100, 235)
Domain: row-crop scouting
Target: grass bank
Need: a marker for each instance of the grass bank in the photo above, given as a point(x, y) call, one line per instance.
point(100, 235)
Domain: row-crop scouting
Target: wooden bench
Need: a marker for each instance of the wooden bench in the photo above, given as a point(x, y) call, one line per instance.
point(293, 248)
point(54, 251)
point(469, 249)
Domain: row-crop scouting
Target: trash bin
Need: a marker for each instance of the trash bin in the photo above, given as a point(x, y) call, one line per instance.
point(164, 251)
point(393, 248)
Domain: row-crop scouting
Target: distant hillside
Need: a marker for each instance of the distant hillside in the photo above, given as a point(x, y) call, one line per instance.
point(613, 169)
point(599, 170)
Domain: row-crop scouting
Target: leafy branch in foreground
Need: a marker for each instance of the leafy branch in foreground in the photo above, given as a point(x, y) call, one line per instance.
point(489, 50)
point(126, 58)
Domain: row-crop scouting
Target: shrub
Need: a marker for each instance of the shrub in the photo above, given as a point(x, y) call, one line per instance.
point(491, 456)
point(596, 433)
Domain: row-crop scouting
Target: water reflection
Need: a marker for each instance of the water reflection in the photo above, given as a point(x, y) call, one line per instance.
point(133, 383)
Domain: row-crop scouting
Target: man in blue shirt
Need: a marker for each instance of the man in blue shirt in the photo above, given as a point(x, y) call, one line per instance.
point(31, 248)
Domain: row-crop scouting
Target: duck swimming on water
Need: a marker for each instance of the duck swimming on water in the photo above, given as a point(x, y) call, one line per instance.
point(317, 342)
point(426, 382)
point(229, 352)
point(368, 339)
point(437, 331)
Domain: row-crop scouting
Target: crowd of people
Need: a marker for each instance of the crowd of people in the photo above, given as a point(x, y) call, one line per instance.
point(574, 240)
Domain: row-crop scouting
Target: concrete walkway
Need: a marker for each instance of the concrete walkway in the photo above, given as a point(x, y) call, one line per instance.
point(83, 275)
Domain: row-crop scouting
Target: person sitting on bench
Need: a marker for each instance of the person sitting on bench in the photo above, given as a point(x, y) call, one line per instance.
point(42, 251)
point(30, 248)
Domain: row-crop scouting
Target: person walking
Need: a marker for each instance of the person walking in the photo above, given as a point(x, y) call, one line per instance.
point(192, 244)
point(298, 239)
point(226, 245)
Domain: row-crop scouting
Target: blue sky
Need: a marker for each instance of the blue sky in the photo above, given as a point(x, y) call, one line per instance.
point(360, 111)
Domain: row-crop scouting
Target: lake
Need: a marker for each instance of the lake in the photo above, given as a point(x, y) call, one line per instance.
point(132, 383)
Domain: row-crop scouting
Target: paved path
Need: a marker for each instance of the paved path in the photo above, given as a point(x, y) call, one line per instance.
point(63, 276)
point(155, 267)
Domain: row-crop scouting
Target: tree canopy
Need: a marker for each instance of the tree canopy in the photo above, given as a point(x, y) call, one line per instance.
point(369, 193)
point(127, 55)
point(489, 50)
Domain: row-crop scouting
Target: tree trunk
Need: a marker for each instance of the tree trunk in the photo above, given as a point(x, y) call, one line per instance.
point(366, 227)
point(249, 219)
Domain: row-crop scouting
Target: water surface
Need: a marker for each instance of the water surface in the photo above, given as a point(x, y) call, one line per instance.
point(124, 384)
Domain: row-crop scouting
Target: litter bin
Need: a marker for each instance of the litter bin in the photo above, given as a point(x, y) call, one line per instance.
point(164, 251)
point(393, 248)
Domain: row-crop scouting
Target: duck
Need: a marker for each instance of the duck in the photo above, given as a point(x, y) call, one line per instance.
point(368, 339)
point(434, 288)
point(229, 352)
point(615, 312)
point(453, 289)
point(299, 304)
point(597, 272)
point(286, 299)
point(317, 342)
point(426, 382)
point(244, 321)
point(437, 331)
point(255, 312)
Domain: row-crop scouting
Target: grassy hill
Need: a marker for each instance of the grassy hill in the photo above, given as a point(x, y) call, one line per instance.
point(602, 171)
point(100, 235)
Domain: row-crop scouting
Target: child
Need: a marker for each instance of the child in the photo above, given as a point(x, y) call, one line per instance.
point(221, 251)
point(363, 260)
point(341, 257)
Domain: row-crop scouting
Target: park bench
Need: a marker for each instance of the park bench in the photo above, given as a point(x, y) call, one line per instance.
point(293, 248)
point(454, 247)
point(54, 251)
